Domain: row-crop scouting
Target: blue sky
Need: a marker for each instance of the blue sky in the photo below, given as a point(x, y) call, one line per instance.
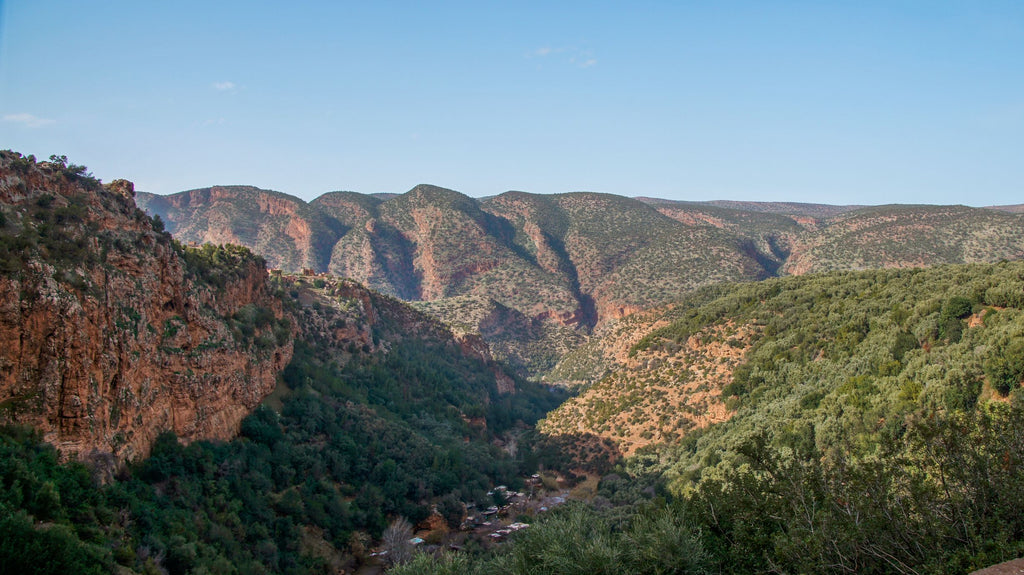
point(833, 102)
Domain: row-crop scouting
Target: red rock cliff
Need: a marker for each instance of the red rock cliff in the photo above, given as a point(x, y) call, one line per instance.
point(109, 334)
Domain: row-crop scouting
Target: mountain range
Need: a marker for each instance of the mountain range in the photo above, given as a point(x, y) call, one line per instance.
point(535, 275)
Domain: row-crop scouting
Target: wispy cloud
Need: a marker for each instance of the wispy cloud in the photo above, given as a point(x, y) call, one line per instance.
point(583, 62)
point(28, 120)
point(224, 86)
point(577, 57)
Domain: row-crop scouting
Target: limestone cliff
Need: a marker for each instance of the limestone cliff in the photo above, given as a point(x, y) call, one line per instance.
point(110, 333)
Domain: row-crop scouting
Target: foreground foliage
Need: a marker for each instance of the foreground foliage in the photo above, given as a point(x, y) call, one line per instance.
point(943, 494)
point(877, 426)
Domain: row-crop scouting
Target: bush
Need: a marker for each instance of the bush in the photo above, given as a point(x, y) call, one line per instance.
point(957, 307)
point(1005, 369)
point(25, 550)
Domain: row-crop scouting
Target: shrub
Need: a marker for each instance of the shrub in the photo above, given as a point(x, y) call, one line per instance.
point(1005, 368)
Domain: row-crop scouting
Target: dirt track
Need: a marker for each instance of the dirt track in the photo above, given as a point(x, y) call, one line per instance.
point(1014, 567)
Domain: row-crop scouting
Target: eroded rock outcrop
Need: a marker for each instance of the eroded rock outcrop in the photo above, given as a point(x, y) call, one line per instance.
point(111, 334)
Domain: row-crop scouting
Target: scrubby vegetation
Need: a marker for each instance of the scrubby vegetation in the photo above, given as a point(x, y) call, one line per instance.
point(875, 339)
point(281, 228)
point(906, 236)
point(877, 430)
point(217, 265)
point(518, 341)
point(942, 494)
point(849, 353)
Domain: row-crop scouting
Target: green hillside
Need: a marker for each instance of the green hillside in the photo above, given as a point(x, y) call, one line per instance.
point(873, 426)
point(909, 236)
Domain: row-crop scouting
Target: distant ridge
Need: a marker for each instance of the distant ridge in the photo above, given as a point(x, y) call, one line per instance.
point(1013, 209)
point(557, 267)
point(784, 208)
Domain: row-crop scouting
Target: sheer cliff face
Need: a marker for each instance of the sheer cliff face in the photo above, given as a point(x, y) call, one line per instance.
point(109, 334)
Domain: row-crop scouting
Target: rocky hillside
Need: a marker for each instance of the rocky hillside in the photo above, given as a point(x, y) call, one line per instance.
point(110, 332)
point(1013, 209)
point(559, 266)
point(857, 422)
point(284, 230)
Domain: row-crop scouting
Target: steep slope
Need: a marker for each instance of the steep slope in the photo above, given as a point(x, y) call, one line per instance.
point(658, 398)
point(530, 345)
point(381, 412)
point(342, 320)
point(432, 244)
point(564, 258)
point(283, 229)
point(461, 249)
point(621, 255)
point(854, 422)
point(109, 334)
point(604, 233)
point(766, 235)
point(374, 252)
